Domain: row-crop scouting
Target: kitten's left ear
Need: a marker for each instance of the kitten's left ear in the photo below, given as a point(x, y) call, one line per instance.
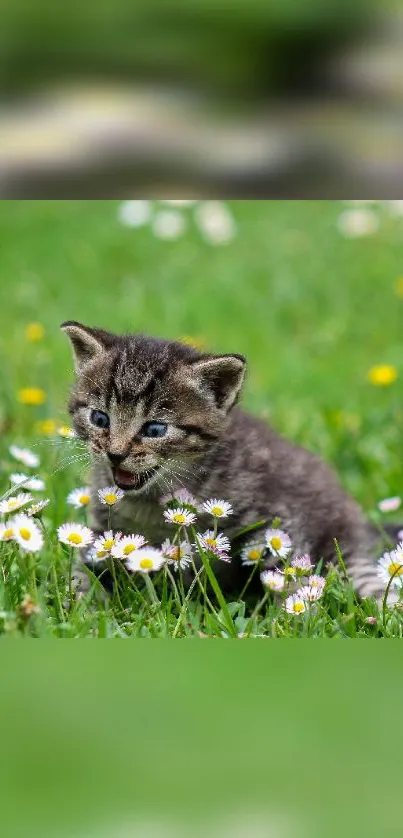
point(222, 376)
point(87, 343)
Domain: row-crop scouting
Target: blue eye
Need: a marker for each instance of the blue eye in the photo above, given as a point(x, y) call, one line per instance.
point(99, 418)
point(154, 429)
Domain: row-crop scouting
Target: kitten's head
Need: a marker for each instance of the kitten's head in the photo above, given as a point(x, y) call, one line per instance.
point(149, 405)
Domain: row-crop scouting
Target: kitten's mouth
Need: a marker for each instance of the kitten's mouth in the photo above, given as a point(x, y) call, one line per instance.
point(126, 480)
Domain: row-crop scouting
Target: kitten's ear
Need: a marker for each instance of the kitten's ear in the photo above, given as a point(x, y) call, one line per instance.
point(222, 376)
point(87, 343)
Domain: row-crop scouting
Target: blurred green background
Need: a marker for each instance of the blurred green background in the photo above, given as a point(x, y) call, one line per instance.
point(312, 310)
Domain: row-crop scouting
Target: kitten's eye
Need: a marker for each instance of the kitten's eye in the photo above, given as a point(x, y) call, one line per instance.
point(99, 418)
point(154, 429)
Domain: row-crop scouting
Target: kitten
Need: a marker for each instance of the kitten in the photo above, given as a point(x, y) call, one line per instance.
point(158, 415)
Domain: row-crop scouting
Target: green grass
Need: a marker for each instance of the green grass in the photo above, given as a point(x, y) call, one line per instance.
point(312, 312)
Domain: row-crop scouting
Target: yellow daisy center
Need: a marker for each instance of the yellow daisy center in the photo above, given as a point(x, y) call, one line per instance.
point(74, 538)
point(84, 500)
point(217, 510)
point(128, 549)
point(101, 554)
point(110, 498)
point(254, 555)
point(176, 554)
point(25, 533)
point(290, 571)
point(382, 375)
point(395, 569)
point(298, 607)
point(276, 542)
point(146, 564)
point(109, 543)
point(12, 504)
point(8, 533)
point(211, 542)
point(179, 518)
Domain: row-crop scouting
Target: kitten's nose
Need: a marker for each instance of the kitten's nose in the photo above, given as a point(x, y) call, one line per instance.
point(116, 459)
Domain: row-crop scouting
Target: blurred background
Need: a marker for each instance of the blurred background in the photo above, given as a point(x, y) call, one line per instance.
point(234, 99)
point(310, 292)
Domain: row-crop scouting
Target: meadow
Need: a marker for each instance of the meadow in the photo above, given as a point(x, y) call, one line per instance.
point(314, 300)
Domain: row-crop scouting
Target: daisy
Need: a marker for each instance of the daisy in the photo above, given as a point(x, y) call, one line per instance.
point(354, 223)
point(104, 544)
point(14, 503)
point(180, 515)
point(65, 432)
point(309, 593)
point(179, 555)
point(290, 572)
point(316, 581)
point(215, 543)
point(7, 532)
point(302, 564)
point(389, 504)
point(127, 545)
point(168, 224)
point(278, 542)
point(79, 497)
point(110, 495)
point(23, 455)
point(391, 565)
point(217, 508)
point(215, 222)
point(27, 533)
point(145, 560)
point(75, 535)
point(252, 553)
point(179, 497)
point(37, 508)
point(134, 213)
point(33, 484)
point(294, 604)
point(272, 579)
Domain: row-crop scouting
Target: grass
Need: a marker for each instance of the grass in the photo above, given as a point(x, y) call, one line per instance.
point(311, 310)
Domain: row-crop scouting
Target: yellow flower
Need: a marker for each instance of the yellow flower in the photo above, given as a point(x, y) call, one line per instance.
point(47, 427)
point(31, 396)
point(195, 342)
point(382, 375)
point(399, 287)
point(34, 332)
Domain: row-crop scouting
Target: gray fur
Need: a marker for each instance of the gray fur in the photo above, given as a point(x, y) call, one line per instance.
point(214, 449)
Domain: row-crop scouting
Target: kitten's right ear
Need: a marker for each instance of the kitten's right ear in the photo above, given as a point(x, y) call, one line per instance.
point(86, 342)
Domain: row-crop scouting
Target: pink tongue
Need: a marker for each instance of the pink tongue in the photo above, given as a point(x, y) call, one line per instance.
point(125, 477)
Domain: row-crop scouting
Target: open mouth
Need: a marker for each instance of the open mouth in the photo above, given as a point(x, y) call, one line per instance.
point(126, 480)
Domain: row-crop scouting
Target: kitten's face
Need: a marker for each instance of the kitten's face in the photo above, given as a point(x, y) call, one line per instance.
point(150, 407)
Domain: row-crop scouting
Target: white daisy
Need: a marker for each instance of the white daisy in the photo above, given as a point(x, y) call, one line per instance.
point(33, 484)
point(253, 552)
point(294, 604)
point(316, 581)
point(145, 560)
point(272, 579)
point(216, 543)
point(180, 515)
point(23, 455)
point(179, 555)
point(354, 223)
point(79, 497)
point(179, 497)
point(127, 545)
point(134, 213)
point(7, 531)
point(14, 503)
point(75, 535)
point(391, 565)
point(215, 222)
point(110, 495)
point(27, 533)
point(310, 594)
point(302, 564)
point(389, 504)
point(278, 542)
point(168, 224)
point(106, 542)
point(66, 432)
point(37, 508)
point(217, 508)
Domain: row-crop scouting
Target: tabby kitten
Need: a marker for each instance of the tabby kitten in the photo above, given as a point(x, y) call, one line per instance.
point(158, 415)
